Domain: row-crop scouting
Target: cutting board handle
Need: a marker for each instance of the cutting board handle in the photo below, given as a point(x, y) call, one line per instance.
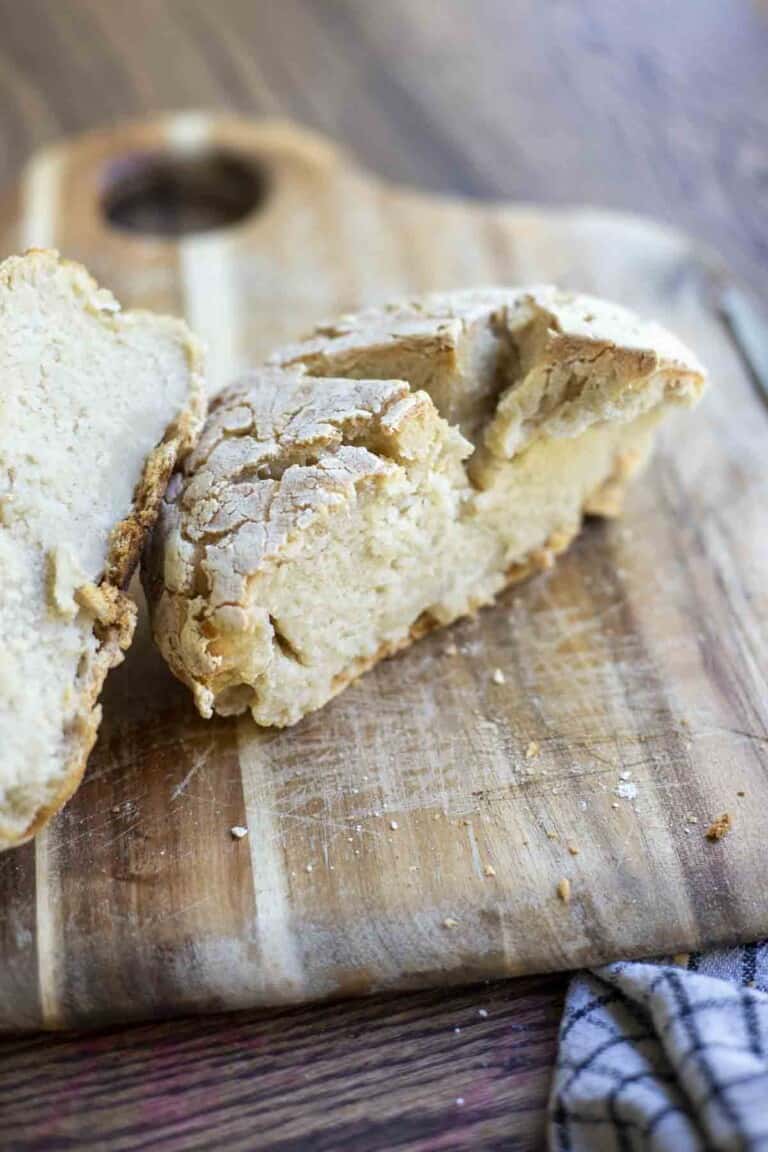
point(157, 181)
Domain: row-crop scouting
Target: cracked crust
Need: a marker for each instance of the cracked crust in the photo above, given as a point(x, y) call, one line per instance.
point(105, 601)
point(391, 473)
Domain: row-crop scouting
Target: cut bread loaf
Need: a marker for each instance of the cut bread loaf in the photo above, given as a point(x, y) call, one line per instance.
point(392, 473)
point(96, 406)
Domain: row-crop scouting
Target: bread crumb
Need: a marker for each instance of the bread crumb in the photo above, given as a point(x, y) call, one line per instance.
point(680, 959)
point(394, 825)
point(451, 649)
point(573, 849)
point(450, 922)
point(614, 804)
point(564, 890)
point(307, 867)
point(532, 750)
point(552, 836)
point(482, 1012)
point(238, 831)
point(627, 790)
point(741, 793)
point(498, 676)
point(489, 870)
point(719, 827)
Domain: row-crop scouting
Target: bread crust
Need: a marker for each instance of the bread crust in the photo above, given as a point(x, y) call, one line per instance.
point(520, 372)
point(113, 610)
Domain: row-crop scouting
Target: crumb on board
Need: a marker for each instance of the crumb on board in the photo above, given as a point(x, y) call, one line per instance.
point(394, 825)
point(614, 804)
point(626, 790)
point(719, 827)
point(450, 648)
point(450, 922)
point(564, 890)
point(498, 676)
point(741, 792)
point(307, 867)
point(573, 849)
point(489, 870)
point(532, 750)
point(552, 836)
point(238, 831)
point(482, 1012)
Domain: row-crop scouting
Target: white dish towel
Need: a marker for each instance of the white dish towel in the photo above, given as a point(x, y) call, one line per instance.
point(665, 1057)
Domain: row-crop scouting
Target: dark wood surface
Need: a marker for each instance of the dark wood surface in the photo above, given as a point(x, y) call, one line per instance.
point(414, 1073)
point(652, 107)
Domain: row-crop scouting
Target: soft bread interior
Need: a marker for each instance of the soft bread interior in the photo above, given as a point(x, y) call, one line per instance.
point(85, 394)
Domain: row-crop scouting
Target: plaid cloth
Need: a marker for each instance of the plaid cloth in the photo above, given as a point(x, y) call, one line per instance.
point(665, 1057)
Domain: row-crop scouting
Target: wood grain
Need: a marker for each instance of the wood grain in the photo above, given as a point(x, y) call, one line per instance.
point(650, 109)
point(372, 823)
point(586, 102)
point(381, 1074)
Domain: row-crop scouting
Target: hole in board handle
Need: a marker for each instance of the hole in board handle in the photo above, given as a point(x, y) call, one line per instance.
point(167, 194)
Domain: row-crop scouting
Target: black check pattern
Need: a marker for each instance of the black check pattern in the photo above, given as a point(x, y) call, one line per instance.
point(665, 1058)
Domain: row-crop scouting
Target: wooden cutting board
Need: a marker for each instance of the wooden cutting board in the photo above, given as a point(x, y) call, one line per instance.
point(404, 835)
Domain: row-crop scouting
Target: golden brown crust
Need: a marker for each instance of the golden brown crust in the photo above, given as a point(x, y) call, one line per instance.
point(114, 612)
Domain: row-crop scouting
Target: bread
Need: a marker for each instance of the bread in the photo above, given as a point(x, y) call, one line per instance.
point(392, 473)
point(96, 406)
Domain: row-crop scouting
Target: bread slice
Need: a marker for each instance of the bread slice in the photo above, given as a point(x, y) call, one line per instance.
point(392, 473)
point(96, 406)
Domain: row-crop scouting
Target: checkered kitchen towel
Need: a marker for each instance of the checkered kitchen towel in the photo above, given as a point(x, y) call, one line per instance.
point(665, 1057)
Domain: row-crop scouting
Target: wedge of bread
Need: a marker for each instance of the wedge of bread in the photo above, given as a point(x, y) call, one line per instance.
point(392, 473)
point(96, 407)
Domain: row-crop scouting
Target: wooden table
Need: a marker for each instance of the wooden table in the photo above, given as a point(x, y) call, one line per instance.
point(652, 107)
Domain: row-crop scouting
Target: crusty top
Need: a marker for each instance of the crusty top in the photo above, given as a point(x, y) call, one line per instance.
point(514, 363)
point(278, 450)
point(569, 316)
point(281, 451)
point(284, 444)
